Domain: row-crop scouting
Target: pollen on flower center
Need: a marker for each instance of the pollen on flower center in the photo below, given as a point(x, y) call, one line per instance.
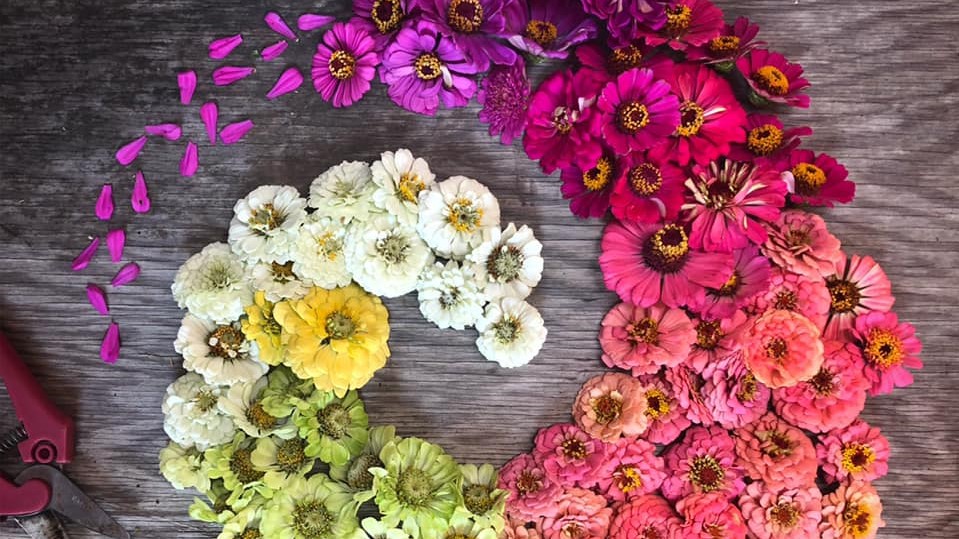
point(282, 273)
point(678, 19)
point(747, 388)
point(692, 118)
point(731, 286)
point(342, 65)
point(259, 418)
point(643, 331)
point(242, 467)
point(333, 420)
point(205, 400)
point(328, 246)
point(409, 187)
point(623, 59)
point(809, 178)
point(666, 250)
point(856, 520)
point(250, 533)
point(708, 334)
point(265, 219)
point(627, 478)
point(607, 407)
point(339, 326)
point(428, 67)
point(290, 456)
point(562, 120)
point(574, 449)
point(646, 179)
point(857, 457)
point(777, 445)
point(312, 519)
point(542, 32)
point(772, 80)
point(386, 15)
point(477, 499)
point(657, 404)
point(883, 348)
point(226, 342)
point(413, 487)
point(785, 514)
point(824, 382)
point(465, 15)
point(764, 140)
point(599, 176)
point(464, 216)
point(776, 348)
point(706, 473)
point(723, 45)
point(631, 117)
point(358, 476)
point(504, 264)
point(507, 330)
point(394, 248)
point(844, 295)
point(527, 483)
point(786, 300)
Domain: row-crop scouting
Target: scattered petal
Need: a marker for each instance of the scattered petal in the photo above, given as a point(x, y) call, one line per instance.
point(190, 161)
point(221, 48)
point(274, 51)
point(110, 348)
point(278, 25)
point(126, 275)
point(209, 114)
point(98, 298)
point(226, 75)
point(167, 131)
point(116, 240)
point(140, 198)
point(235, 131)
point(104, 207)
point(129, 152)
point(312, 21)
point(186, 80)
point(83, 259)
point(290, 80)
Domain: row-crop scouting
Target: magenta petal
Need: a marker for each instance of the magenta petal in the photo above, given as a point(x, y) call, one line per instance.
point(226, 75)
point(140, 198)
point(83, 259)
point(290, 80)
point(116, 239)
point(104, 207)
point(98, 298)
point(129, 152)
point(235, 131)
point(167, 131)
point(190, 161)
point(209, 114)
point(221, 48)
point(278, 25)
point(110, 348)
point(126, 275)
point(274, 51)
point(186, 80)
point(312, 21)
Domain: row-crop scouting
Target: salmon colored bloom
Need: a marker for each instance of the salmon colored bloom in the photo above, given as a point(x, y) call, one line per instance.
point(732, 393)
point(782, 348)
point(632, 469)
point(610, 406)
point(531, 491)
point(800, 242)
point(788, 291)
point(667, 418)
point(750, 278)
point(853, 511)
point(857, 285)
point(580, 515)
point(858, 452)
point(643, 340)
point(780, 513)
point(703, 462)
point(888, 348)
point(687, 385)
point(523, 530)
point(569, 455)
point(715, 339)
point(689, 23)
point(773, 79)
point(645, 517)
point(776, 453)
point(819, 180)
point(710, 516)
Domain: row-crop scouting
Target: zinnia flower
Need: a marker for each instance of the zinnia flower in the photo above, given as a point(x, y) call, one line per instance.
point(647, 191)
point(314, 507)
point(611, 405)
point(853, 511)
point(279, 281)
point(609, 63)
point(689, 23)
point(750, 278)
point(588, 183)
point(184, 467)
point(775, 452)
point(386, 258)
point(344, 64)
point(732, 393)
point(570, 456)
point(450, 296)
point(888, 348)
point(649, 515)
point(580, 514)
point(628, 19)
point(473, 25)
point(281, 460)
point(531, 490)
point(644, 339)
point(799, 242)
point(857, 452)
point(559, 122)
point(646, 264)
point(715, 340)
point(318, 255)
point(703, 462)
point(483, 502)
point(819, 180)
point(782, 348)
point(220, 353)
point(504, 95)
point(637, 112)
point(244, 403)
point(710, 516)
point(377, 530)
point(548, 28)
point(768, 142)
point(667, 418)
point(264, 223)
point(399, 179)
point(511, 332)
point(335, 429)
point(731, 44)
point(781, 513)
point(380, 18)
point(687, 385)
point(231, 462)
point(773, 79)
point(456, 216)
point(806, 295)
point(510, 264)
point(631, 470)
point(213, 285)
point(857, 285)
point(355, 473)
point(191, 416)
point(344, 192)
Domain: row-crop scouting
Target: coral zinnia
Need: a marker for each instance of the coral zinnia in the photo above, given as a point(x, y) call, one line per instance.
point(715, 339)
point(344, 64)
point(580, 514)
point(569, 455)
point(857, 285)
point(531, 491)
point(637, 112)
point(611, 405)
point(703, 462)
point(775, 452)
point(782, 348)
point(853, 511)
point(632, 469)
point(806, 295)
point(779, 513)
point(559, 122)
point(710, 516)
point(732, 393)
point(799, 242)
point(688, 23)
point(819, 180)
point(773, 79)
point(647, 516)
point(647, 191)
point(857, 452)
point(667, 418)
point(643, 340)
point(888, 348)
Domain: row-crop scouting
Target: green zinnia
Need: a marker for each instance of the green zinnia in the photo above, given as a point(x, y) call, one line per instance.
point(233, 464)
point(246, 523)
point(314, 508)
point(334, 428)
point(281, 460)
point(184, 467)
point(483, 503)
point(377, 530)
point(284, 392)
point(355, 475)
point(464, 528)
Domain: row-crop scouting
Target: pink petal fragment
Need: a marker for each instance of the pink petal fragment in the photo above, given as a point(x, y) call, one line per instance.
point(221, 48)
point(98, 299)
point(170, 132)
point(209, 113)
point(83, 259)
point(140, 198)
point(235, 131)
point(110, 348)
point(190, 161)
point(290, 80)
point(186, 80)
point(226, 75)
point(278, 25)
point(126, 275)
point(104, 207)
point(116, 240)
point(274, 51)
point(312, 21)
point(129, 152)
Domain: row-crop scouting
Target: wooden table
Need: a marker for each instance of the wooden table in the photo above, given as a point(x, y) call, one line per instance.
point(78, 78)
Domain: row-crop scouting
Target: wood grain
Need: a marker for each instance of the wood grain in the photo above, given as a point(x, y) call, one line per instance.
point(79, 77)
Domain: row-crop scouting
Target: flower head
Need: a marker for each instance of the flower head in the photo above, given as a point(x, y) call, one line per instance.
point(768, 142)
point(889, 348)
point(473, 25)
point(647, 191)
point(450, 296)
point(213, 285)
point(773, 79)
point(510, 264)
point(456, 216)
point(667, 417)
point(281, 460)
point(399, 179)
point(687, 386)
point(559, 121)
point(191, 416)
point(570, 456)
point(799, 242)
point(265, 223)
point(782, 348)
point(184, 467)
point(588, 183)
point(732, 393)
point(483, 501)
point(531, 490)
point(344, 192)
point(611, 405)
point(344, 64)
point(504, 95)
point(750, 278)
point(853, 511)
point(279, 281)
point(355, 473)
point(318, 255)
point(776, 453)
point(231, 462)
point(806, 295)
point(335, 429)
point(244, 403)
point(628, 19)
point(781, 513)
point(734, 41)
point(819, 180)
point(631, 470)
point(644, 339)
point(549, 28)
point(703, 462)
point(580, 514)
point(386, 258)
point(710, 516)
point(314, 508)
point(648, 515)
point(220, 353)
point(608, 63)
point(689, 23)
point(857, 452)
point(262, 331)
point(380, 18)
point(857, 285)
point(637, 111)
point(715, 340)
point(511, 332)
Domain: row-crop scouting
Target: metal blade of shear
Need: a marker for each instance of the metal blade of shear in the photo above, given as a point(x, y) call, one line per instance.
point(71, 502)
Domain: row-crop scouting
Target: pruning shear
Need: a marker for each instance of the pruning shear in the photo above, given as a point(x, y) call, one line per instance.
point(45, 439)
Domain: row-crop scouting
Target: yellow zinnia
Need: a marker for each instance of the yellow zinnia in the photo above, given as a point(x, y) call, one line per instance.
point(261, 328)
point(336, 337)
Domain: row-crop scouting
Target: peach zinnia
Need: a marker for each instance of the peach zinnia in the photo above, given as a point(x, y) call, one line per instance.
point(775, 452)
point(610, 406)
point(854, 511)
point(643, 340)
point(732, 393)
point(781, 513)
point(782, 348)
point(800, 242)
point(531, 491)
point(710, 516)
point(646, 517)
point(581, 515)
point(803, 294)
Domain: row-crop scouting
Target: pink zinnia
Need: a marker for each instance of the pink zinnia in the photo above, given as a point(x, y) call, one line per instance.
point(777, 453)
point(645, 517)
point(688, 23)
point(667, 418)
point(857, 452)
point(730, 45)
point(580, 514)
point(781, 513)
point(532, 492)
point(646, 264)
point(715, 339)
point(559, 123)
point(522, 530)
point(606, 63)
point(647, 191)
point(768, 142)
point(380, 18)
point(774, 79)
point(644, 339)
point(857, 285)
point(637, 112)
point(888, 348)
point(710, 516)
point(687, 384)
point(800, 242)
point(831, 399)
point(631, 470)
point(703, 462)
point(344, 64)
point(782, 348)
point(588, 183)
point(504, 94)
point(569, 455)
point(730, 202)
point(732, 393)
point(788, 291)
point(610, 406)
point(750, 278)
point(853, 511)
point(819, 180)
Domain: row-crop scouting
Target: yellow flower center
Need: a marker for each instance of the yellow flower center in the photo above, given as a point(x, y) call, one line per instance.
point(333, 420)
point(627, 478)
point(562, 120)
point(772, 80)
point(226, 342)
point(339, 326)
point(386, 15)
point(692, 118)
point(747, 388)
point(623, 59)
point(678, 19)
point(883, 348)
point(259, 418)
point(250, 533)
point(574, 449)
point(342, 65)
point(643, 331)
point(477, 499)
point(507, 330)
point(708, 334)
point(646, 179)
point(607, 408)
point(464, 216)
point(856, 520)
point(599, 176)
point(857, 457)
point(242, 467)
point(631, 117)
point(844, 295)
point(776, 348)
point(785, 514)
point(706, 473)
point(465, 15)
point(666, 250)
point(809, 178)
point(414, 487)
point(542, 32)
point(505, 264)
point(264, 219)
point(724, 45)
point(409, 187)
point(328, 246)
point(428, 67)
point(657, 404)
point(731, 286)
point(764, 140)
point(290, 456)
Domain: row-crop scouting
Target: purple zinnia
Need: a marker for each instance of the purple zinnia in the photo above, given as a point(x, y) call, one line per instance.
point(380, 18)
point(587, 185)
point(626, 22)
point(504, 94)
point(650, 12)
point(547, 28)
point(423, 67)
point(559, 121)
point(637, 112)
point(473, 25)
point(344, 64)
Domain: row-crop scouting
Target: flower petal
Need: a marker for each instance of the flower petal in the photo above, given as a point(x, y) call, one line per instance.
point(116, 239)
point(274, 51)
point(168, 131)
point(278, 25)
point(312, 21)
point(226, 75)
point(104, 207)
point(83, 259)
point(97, 298)
point(126, 275)
point(209, 113)
point(186, 80)
point(190, 161)
point(290, 80)
point(235, 131)
point(221, 48)
point(129, 152)
point(140, 198)
point(110, 348)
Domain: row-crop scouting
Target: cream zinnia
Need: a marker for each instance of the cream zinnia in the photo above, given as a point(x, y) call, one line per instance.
point(456, 216)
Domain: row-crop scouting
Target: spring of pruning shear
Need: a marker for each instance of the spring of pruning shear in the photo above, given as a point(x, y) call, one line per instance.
point(44, 438)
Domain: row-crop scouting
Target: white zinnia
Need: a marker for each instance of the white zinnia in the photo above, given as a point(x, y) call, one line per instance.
point(399, 179)
point(242, 403)
point(511, 332)
point(318, 255)
point(450, 296)
point(278, 281)
point(219, 353)
point(386, 258)
point(191, 416)
point(510, 264)
point(344, 192)
point(265, 223)
point(457, 215)
point(213, 284)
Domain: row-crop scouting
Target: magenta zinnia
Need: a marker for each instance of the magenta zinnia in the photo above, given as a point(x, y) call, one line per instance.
point(647, 191)
point(588, 184)
point(856, 286)
point(504, 95)
point(688, 23)
point(344, 64)
point(558, 122)
point(819, 180)
point(889, 348)
point(750, 278)
point(773, 78)
point(637, 112)
point(703, 462)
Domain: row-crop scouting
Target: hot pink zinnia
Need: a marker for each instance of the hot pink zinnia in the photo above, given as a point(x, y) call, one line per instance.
point(781, 513)
point(768, 142)
point(569, 455)
point(710, 516)
point(854, 511)
point(857, 285)
point(857, 452)
point(819, 180)
point(532, 492)
point(888, 348)
point(688, 23)
point(806, 295)
point(344, 64)
point(703, 462)
point(637, 112)
point(559, 123)
point(646, 264)
point(643, 340)
point(631, 470)
point(609, 63)
point(645, 517)
point(715, 339)
point(730, 45)
point(580, 514)
point(750, 277)
point(775, 452)
point(732, 393)
point(647, 191)
point(800, 242)
point(687, 384)
point(588, 184)
point(667, 418)
point(782, 348)
point(774, 79)
point(610, 406)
